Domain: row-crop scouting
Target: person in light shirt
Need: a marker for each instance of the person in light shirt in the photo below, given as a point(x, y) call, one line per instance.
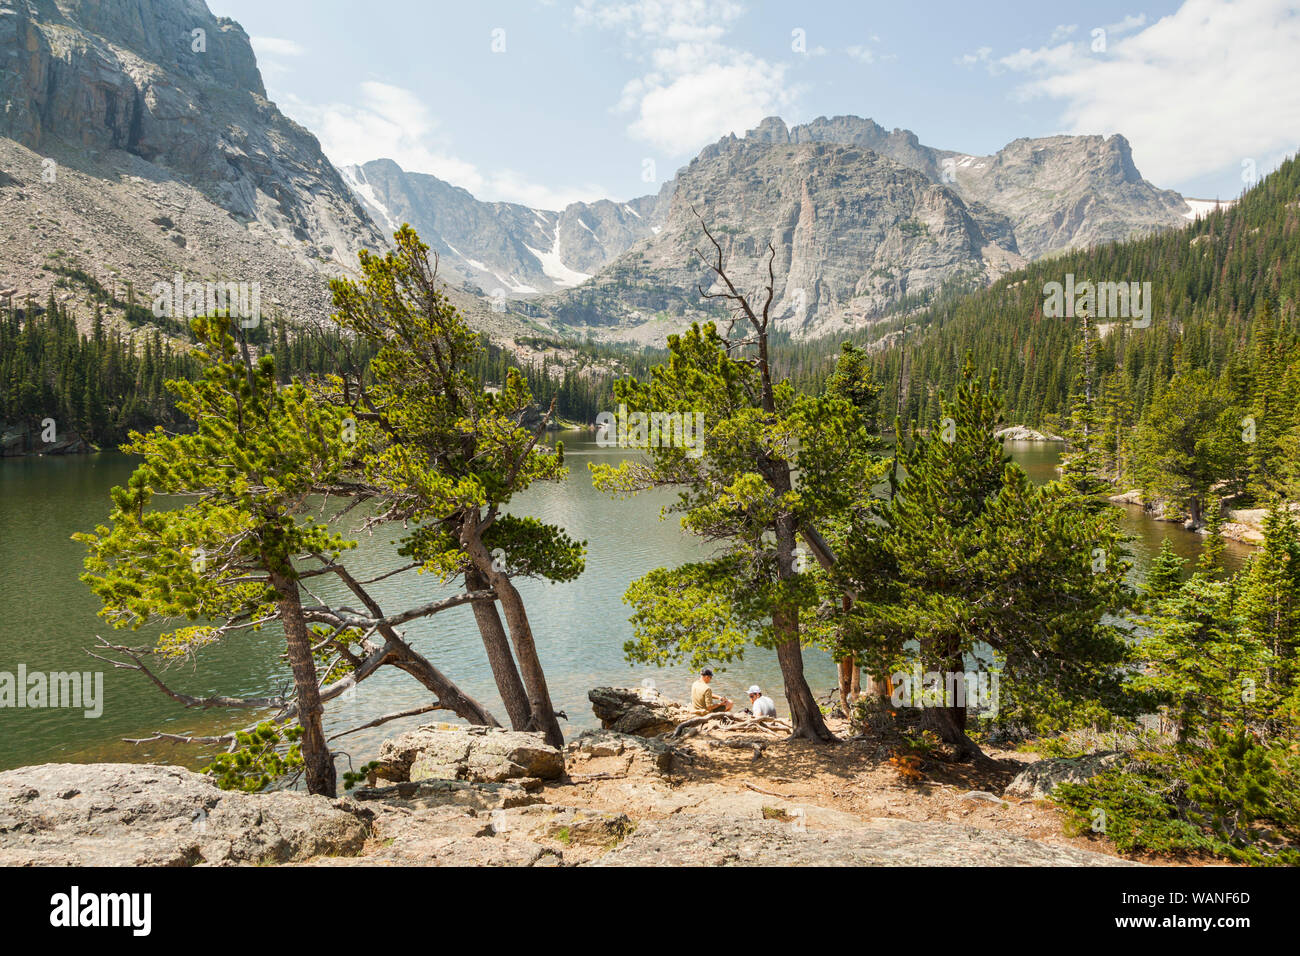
point(759, 704)
point(702, 699)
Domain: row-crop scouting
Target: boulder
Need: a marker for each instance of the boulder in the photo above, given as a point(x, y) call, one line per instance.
point(146, 815)
point(610, 753)
point(1038, 780)
point(642, 711)
point(1023, 433)
point(475, 754)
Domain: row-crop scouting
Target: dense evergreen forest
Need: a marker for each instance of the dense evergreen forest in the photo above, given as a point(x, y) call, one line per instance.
point(103, 384)
point(1218, 364)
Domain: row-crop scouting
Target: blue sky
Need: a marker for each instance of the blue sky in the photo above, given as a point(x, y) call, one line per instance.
point(548, 101)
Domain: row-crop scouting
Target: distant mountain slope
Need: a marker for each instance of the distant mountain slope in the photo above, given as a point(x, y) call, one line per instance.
point(1058, 192)
point(818, 192)
point(137, 138)
point(855, 234)
point(509, 247)
point(1208, 281)
point(90, 83)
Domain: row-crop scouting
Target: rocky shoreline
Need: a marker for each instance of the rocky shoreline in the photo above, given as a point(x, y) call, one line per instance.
point(19, 439)
point(1240, 524)
point(442, 794)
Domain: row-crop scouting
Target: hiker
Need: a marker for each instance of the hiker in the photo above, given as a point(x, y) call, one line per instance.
point(760, 705)
point(702, 695)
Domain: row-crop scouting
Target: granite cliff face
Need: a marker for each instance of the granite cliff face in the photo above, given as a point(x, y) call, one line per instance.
point(137, 141)
point(855, 234)
point(1056, 192)
point(865, 222)
point(863, 219)
point(166, 82)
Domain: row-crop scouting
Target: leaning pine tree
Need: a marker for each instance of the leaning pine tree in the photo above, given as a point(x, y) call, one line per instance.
point(257, 451)
point(767, 466)
point(452, 457)
point(264, 471)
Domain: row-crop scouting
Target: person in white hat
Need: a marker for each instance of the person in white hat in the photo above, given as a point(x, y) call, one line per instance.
point(759, 705)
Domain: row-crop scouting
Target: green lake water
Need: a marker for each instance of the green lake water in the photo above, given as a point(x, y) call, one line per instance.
point(50, 621)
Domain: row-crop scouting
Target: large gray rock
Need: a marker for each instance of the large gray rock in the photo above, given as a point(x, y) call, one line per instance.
point(609, 753)
point(476, 754)
point(145, 815)
point(715, 839)
point(636, 710)
point(1038, 780)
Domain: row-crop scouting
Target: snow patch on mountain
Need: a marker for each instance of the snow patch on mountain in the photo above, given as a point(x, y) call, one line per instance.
point(553, 266)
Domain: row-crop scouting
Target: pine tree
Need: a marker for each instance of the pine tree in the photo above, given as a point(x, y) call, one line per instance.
point(453, 457)
point(969, 553)
point(1211, 562)
point(1165, 576)
point(1082, 466)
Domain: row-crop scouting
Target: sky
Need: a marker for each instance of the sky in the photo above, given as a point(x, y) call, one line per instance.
point(545, 102)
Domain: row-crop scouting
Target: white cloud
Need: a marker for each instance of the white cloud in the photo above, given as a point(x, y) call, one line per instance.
point(275, 46)
point(391, 122)
point(979, 56)
point(269, 50)
point(694, 87)
point(1196, 92)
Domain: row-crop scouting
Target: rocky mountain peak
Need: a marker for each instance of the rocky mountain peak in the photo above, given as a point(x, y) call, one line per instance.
point(90, 83)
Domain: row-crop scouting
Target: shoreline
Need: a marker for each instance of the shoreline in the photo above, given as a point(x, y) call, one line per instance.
point(645, 789)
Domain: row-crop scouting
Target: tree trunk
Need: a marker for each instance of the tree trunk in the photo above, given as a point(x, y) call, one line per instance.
point(949, 722)
point(804, 712)
point(497, 646)
point(542, 716)
point(844, 669)
point(530, 666)
point(317, 762)
point(408, 659)
point(400, 654)
point(881, 688)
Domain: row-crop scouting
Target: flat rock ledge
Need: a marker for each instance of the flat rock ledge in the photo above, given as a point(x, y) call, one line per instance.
point(144, 815)
point(707, 839)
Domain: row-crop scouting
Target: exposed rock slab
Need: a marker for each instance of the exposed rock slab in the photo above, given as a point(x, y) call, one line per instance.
point(409, 834)
point(703, 839)
point(145, 815)
point(610, 753)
